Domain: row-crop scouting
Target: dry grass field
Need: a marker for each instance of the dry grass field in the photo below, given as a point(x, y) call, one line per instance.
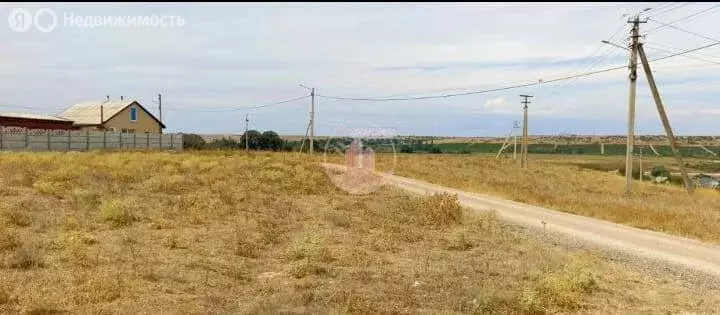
point(558, 182)
point(261, 233)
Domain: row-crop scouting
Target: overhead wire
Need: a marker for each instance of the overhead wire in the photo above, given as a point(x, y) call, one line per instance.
point(683, 30)
point(686, 56)
point(667, 9)
point(241, 108)
point(685, 18)
point(541, 81)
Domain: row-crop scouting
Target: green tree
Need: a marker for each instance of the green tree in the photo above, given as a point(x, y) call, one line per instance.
point(253, 138)
point(193, 142)
point(270, 140)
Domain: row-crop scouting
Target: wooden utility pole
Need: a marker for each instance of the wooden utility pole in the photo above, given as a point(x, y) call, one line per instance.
point(631, 104)
point(247, 146)
point(312, 120)
point(664, 118)
point(523, 157)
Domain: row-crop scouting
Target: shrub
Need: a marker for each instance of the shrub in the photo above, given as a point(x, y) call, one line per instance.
point(441, 209)
point(116, 213)
point(659, 170)
point(193, 141)
point(406, 149)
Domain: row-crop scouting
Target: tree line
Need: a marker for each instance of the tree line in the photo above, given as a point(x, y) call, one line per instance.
point(268, 140)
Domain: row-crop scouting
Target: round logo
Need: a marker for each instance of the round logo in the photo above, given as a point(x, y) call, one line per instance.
point(350, 158)
point(20, 20)
point(50, 26)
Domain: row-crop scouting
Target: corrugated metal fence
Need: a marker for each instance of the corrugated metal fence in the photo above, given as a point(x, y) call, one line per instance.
point(19, 139)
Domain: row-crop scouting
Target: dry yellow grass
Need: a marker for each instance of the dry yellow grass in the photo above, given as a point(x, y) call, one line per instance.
point(259, 233)
point(555, 184)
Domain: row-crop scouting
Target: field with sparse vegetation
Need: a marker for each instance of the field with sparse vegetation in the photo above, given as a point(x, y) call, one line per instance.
point(579, 185)
point(267, 233)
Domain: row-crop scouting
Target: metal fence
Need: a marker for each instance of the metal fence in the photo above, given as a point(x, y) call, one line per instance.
point(19, 139)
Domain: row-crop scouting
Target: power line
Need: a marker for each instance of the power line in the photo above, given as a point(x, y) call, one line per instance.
point(688, 18)
point(683, 30)
point(592, 65)
point(686, 56)
point(686, 51)
point(666, 10)
point(241, 108)
point(676, 49)
point(512, 86)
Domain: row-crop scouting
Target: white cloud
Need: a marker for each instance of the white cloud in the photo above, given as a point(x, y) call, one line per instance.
point(247, 55)
point(496, 104)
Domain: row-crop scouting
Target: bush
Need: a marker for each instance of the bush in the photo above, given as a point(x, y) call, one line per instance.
point(435, 150)
point(442, 210)
point(193, 141)
point(406, 149)
point(659, 170)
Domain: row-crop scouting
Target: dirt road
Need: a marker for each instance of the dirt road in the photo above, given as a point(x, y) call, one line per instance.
point(643, 243)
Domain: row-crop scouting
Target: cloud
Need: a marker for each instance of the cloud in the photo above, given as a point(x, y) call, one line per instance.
point(228, 56)
point(496, 104)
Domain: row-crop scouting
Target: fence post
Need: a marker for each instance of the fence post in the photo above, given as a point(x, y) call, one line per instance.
point(2, 130)
point(27, 139)
point(69, 140)
point(87, 139)
point(121, 140)
point(134, 140)
point(48, 139)
point(171, 141)
point(104, 139)
point(147, 146)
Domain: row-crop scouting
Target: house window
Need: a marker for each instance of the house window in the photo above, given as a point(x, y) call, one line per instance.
point(133, 114)
point(128, 130)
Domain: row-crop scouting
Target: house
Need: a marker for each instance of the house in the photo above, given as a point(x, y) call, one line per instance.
point(35, 121)
point(126, 116)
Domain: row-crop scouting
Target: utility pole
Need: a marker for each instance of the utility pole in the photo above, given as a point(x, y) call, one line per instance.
point(631, 108)
point(160, 107)
point(641, 169)
point(247, 146)
point(515, 126)
point(523, 157)
point(664, 118)
point(312, 120)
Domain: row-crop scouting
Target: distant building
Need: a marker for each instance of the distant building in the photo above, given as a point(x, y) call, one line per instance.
point(126, 116)
point(35, 121)
point(705, 181)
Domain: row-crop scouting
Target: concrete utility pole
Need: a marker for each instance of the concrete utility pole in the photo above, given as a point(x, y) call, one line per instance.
point(641, 169)
point(515, 126)
point(247, 146)
point(664, 118)
point(160, 107)
point(631, 107)
point(523, 157)
point(312, 119)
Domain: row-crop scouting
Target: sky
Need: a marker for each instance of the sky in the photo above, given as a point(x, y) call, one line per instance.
point(227, 58)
